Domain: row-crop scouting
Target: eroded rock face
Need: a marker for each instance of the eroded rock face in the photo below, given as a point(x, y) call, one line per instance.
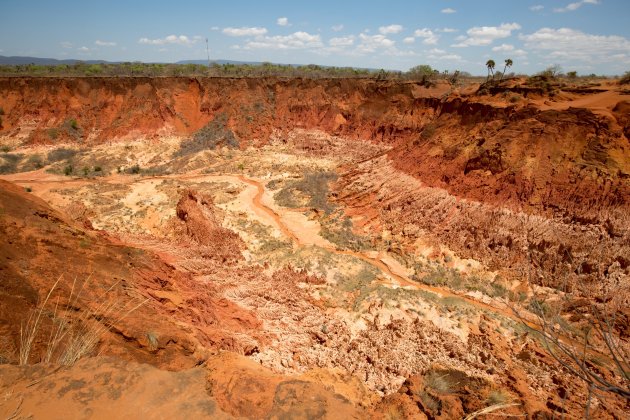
point(533, 193)
point(195, 210)
point(178, 319)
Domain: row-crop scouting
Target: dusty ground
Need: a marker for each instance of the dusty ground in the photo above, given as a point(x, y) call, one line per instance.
point(332, 266)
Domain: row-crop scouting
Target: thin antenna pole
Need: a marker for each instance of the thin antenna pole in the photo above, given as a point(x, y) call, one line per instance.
point(208, 51)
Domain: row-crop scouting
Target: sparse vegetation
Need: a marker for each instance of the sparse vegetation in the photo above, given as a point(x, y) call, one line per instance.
point(9, 163)
point(53, 133)
point(134, 170)
point(423, 73)
point(625, 79)
point(212, 135)
point(312, 187)
point(61, 154)
point(68, 170)
point(71, 339)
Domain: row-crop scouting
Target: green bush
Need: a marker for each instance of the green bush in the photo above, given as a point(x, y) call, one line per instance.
point(68, 170)
point(625, 79)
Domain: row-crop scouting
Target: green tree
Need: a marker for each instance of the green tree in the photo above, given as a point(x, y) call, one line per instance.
point(508, 63)
point(423, 70)
point(491, 65)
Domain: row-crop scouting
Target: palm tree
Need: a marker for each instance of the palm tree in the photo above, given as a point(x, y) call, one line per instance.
point(490, 64)
point(508, 63)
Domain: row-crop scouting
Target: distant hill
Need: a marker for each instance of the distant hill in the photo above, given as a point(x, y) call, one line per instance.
point(15, 60)
point(205, 62)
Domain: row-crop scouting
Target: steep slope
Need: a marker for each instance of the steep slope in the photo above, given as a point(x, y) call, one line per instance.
point(98, 282)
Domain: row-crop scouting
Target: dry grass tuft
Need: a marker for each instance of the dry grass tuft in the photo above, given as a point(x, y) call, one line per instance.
point(73, 338)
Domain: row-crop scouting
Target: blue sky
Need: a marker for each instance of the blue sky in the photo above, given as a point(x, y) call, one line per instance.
point(589, 36)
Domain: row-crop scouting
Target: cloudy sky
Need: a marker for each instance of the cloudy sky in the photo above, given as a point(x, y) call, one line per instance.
point(589, 36)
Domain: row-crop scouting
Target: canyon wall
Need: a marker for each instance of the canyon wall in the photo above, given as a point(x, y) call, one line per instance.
point(565, 171)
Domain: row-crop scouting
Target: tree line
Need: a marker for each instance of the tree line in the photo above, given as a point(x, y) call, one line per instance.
point(424, 72)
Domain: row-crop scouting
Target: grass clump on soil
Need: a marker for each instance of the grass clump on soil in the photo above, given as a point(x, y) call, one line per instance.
point(212, 135)
point(70, 339)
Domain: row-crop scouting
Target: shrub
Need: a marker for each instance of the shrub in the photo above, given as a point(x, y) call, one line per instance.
point(61, 154)
point(439, 382)
point(73, 124)
point(8, 163)
point(1, 111)
point(135, 169)
point(53, 133)
point(97, 169)
point(625, 79)
point(5, 149)
point(28, 189)
point(68, 170)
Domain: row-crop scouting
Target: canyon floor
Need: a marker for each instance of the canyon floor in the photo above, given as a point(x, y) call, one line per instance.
point(315, 274)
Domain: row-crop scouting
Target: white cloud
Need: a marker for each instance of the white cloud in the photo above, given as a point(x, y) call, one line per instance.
point(409, 40)
point(283, 21)
point(390, 29)
point(574, 6)
point(215, 28)
point(370, 43)
point(429, 37)
point(503, 48)
point(171, 39)
point(245, 31)
point(337, 28)
point(104, 43)
point(296, 40)
point(449, 10)
point(572, 44)
point(344, 41)
point(66, 44)
point(510, 49)
point(83, 49)
point(536, 8)
point(447, 30)
point(486, 35)
point(438, 54)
